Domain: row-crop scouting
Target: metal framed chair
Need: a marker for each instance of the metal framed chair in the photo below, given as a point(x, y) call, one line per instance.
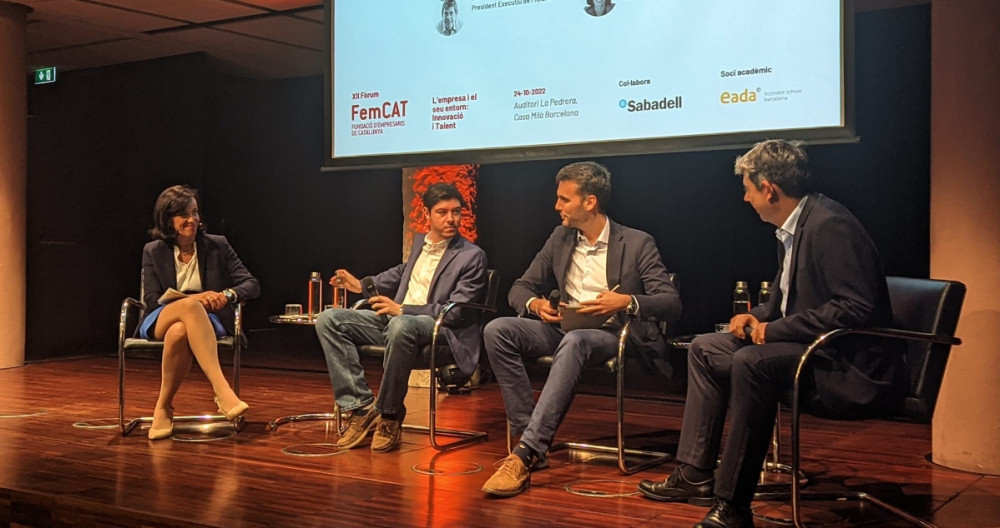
point(616, 366)
point(131, 313)
point(438, 357)
point(926, 313)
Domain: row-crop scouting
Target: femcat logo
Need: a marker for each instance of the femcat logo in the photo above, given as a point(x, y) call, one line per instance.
point(667, 103)
point(746, 96)
point(386, 110)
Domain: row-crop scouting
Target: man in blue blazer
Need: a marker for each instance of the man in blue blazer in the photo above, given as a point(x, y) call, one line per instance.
point(829, 276)
point(443, 267)
point(611, 272)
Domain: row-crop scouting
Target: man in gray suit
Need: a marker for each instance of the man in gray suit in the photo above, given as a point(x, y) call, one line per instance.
point(611, 272)
point(443, 267)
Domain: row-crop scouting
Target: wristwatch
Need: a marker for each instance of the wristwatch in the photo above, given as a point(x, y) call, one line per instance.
point(633, 307)
point(230, 295)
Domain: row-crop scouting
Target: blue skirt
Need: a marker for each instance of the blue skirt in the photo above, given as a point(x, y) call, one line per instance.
point(149, 324)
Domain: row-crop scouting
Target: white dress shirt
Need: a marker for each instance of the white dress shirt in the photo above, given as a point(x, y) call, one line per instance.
point(587, 275)
point(423, 271)
point(786, 234)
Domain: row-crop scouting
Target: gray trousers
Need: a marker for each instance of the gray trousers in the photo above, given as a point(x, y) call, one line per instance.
point(510, 341)
point(749, 380)
point(340, 331)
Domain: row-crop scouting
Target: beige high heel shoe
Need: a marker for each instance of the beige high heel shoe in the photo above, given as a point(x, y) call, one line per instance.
point(163, 432)
point(235, 412)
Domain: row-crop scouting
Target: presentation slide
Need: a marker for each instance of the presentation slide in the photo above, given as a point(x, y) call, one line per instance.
point(421, 76)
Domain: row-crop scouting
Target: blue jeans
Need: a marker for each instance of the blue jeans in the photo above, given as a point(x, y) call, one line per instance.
point(510, 341)
point(341, 331)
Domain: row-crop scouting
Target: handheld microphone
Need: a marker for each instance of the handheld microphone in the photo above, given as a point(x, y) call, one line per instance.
point(554, 299)
point(369, 286)
point(747, 330)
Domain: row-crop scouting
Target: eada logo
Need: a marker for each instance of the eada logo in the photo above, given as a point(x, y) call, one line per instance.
point(746, 96)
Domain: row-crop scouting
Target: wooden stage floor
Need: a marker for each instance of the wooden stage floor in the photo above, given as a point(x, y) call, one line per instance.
point(53, 473)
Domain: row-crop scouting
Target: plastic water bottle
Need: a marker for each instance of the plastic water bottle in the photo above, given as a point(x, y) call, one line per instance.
point(741, 298)
point(315, 294)
point(764, 294)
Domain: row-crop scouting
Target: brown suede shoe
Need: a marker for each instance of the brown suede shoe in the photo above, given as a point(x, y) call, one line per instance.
point(511, 478)
point(358, 428)
point(387, 435)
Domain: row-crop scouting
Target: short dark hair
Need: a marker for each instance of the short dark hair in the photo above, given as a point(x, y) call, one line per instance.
point(440, 192)
point(593, 179)
point(172, 201)
point(449, 3)
point(783, 163)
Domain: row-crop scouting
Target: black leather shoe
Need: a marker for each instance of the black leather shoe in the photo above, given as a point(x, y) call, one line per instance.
point(725, 514)
point(678, 489)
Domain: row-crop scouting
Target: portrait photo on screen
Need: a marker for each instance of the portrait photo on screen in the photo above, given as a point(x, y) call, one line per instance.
point(596, 8)
point(450, 23)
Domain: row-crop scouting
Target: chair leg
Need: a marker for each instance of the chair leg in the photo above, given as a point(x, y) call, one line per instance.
point(237, 346)
point(336, 416)
point(798, 496)
point(123, 427)
point(273, 425)
point(466, 438)
point(127, 426)
point(775, 476)
point(654, 458)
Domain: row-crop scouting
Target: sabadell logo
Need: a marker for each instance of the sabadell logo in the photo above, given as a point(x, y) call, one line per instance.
point(667, 103)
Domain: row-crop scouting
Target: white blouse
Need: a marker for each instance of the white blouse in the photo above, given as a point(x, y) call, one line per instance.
point(188, 278)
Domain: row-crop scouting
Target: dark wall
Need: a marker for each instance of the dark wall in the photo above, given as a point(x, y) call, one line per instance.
point(101, 146)
point(104, 142)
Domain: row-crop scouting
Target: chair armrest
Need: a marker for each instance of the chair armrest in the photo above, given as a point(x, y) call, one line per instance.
point(892, 333)
point(468, 305)
point(472, 306)
point(127, 305)
point(129, 302)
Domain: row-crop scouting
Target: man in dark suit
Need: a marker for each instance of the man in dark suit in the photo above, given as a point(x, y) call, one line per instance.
point(443, 267)
point(829, 276)
point(611, 272)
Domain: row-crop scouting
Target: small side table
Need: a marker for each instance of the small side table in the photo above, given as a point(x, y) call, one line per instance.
point(303, 320)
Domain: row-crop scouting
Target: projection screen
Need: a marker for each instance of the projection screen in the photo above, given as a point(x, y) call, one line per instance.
point(421, 82)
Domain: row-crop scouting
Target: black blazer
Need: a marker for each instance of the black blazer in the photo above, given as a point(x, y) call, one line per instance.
point(837, 281)
point(218, 265)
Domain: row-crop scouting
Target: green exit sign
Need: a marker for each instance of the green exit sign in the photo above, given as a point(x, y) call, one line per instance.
point(45, 75)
